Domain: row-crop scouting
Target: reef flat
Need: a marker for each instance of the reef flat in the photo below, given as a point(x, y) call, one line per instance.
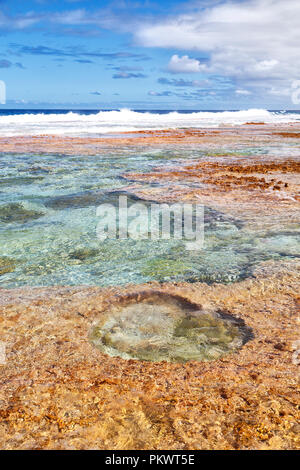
point(247, 134)
point(224, 373)
point(58, 391)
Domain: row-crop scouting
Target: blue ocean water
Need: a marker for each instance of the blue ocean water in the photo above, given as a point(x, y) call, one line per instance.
point(11, 112)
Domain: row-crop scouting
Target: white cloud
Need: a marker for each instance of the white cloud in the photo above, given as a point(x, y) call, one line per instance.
point(19, 22)
point(162, 93)
point(73, 17)
point(254, 39)
point(280, 91)
point(183, 64)
point(243, 92)
point(265, 65)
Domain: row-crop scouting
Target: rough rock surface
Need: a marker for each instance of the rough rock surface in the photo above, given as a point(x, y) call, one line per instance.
point(59, 392)
point(247, 135)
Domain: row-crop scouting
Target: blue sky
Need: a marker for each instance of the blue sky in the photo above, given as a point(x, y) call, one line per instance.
point(216, 54)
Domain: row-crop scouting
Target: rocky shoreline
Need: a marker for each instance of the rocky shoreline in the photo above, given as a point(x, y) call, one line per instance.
point(59, 391)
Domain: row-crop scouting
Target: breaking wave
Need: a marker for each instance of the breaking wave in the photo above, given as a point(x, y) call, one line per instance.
point(126, 120)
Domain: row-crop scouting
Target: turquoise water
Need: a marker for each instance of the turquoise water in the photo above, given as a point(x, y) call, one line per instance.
point(48, 226)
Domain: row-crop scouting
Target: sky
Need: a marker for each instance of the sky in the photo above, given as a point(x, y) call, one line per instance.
point(170, 54)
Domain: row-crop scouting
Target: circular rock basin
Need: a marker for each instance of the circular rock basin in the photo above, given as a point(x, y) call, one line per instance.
point(156, 327)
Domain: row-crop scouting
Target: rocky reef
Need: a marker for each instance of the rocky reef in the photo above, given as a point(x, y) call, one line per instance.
point(59, 391)
point(173, 363)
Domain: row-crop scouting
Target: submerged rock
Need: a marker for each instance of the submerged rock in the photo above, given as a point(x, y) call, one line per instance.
point(86, 199)
point(7, 265)
point(161, 268)
point(165, 328)
point(16, 212)
point(20, 180)
point(83, 254)
point(77, 200)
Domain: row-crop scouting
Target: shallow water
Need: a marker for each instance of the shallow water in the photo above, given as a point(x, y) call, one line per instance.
point(165, 329)
point(48, 225)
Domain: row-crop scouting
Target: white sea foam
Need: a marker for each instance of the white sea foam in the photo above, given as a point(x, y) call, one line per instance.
point(126, 120)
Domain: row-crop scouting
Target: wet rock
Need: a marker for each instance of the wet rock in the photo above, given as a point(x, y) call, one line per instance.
point(58, 391)
point(83, 254)
point(7, 265)
point(77, 200)
point(162, 269)
point(156, 327)
point(19, 180)
point(16, 212)
point(86, 199)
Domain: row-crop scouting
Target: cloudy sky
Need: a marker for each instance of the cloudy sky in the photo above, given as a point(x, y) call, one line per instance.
point(170, 54)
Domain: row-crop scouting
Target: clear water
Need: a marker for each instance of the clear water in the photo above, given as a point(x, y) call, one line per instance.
point(48, 226)
point(160, 329)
